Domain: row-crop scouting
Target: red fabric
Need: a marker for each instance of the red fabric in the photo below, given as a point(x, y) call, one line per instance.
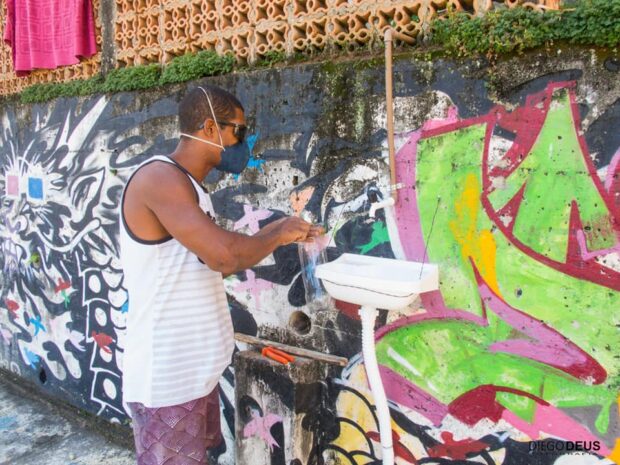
point(48, 34)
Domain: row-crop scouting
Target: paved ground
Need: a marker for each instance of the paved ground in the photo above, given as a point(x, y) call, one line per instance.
point(33, 432)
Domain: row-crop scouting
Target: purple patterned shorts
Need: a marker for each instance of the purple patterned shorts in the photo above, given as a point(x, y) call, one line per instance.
point(178, 434)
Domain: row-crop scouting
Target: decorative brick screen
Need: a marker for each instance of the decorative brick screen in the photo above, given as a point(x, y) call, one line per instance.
point(155, 31)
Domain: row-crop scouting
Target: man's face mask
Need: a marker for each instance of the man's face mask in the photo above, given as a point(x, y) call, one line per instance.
point(234, 158)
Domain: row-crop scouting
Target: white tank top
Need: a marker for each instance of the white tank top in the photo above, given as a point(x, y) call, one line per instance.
point(179, 330)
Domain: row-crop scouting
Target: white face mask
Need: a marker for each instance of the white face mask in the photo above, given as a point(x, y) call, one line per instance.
point(221, 144)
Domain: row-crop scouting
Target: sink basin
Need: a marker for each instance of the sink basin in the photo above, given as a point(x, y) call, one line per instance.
point(377, 282)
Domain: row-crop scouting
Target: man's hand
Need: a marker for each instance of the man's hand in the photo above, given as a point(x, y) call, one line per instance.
point(314, 232)
point(293, 229)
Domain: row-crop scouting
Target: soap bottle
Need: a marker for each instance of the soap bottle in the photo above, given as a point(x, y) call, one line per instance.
point(311, 255)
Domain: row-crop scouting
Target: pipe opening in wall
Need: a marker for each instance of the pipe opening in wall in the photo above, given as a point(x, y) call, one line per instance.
point(42, 376)
point(300, 322)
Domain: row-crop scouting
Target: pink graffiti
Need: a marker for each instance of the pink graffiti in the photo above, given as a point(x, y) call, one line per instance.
point(251, 219)
point(613, 171)
point(411, 396)
point(255, 286)
point(259, 426)
point(612, 180)
point(544, 344)
point(586, 255)
point(550, 420)
point(6, 334)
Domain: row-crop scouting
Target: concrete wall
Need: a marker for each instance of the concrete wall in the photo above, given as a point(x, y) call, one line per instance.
point(512, 186)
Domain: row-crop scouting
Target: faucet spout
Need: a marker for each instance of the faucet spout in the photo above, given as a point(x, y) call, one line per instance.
point(388, 202)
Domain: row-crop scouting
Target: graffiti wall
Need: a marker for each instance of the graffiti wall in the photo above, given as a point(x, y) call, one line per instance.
point(520, 343)
point(512, 188)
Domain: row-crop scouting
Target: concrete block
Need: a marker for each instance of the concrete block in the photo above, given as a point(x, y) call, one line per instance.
point(272, 400)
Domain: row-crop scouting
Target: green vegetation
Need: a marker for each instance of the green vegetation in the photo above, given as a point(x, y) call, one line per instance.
point(271, 58)
point(181, 69)
point(590, 22)
point(132, 78)
point(194, 66)
point(500, 32)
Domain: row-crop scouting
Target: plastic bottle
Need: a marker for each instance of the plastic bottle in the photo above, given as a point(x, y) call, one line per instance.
point(312, 254)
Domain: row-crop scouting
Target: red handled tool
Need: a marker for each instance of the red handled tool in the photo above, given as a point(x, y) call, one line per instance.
point(277, 355)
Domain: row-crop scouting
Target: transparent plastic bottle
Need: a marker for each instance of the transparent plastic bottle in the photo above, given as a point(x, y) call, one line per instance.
point(311, 255)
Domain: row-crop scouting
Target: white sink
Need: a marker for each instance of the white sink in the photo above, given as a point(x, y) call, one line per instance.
point(377, 282)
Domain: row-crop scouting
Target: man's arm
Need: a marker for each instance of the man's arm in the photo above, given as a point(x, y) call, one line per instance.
point(247, 260)
point(227, 252)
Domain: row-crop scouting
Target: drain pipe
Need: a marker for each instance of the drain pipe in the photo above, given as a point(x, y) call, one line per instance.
point(368, 316)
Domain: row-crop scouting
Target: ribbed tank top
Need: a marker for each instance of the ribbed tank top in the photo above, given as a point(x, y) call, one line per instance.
point(179, 330)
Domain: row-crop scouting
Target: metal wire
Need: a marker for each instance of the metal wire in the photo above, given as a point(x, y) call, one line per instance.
point(428, 238)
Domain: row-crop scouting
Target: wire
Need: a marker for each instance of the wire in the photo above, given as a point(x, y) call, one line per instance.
point(428, 238)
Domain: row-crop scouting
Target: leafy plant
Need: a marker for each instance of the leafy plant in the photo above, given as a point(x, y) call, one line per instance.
point(591, 22)
point(132, 78)
point(196, 65)
point(271, 58)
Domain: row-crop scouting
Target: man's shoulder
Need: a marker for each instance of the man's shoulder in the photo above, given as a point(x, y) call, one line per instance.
point(158, 170)
point(158, 178)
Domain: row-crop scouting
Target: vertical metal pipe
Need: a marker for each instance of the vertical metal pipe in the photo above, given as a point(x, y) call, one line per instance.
point(388, 38)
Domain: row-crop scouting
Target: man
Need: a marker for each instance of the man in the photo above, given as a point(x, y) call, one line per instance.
point(179, 330)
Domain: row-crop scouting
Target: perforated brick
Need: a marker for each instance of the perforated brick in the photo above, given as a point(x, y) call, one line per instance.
point(155, 31)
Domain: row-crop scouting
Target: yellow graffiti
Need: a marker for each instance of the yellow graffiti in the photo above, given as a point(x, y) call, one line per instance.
point(477, 245)
point(351, 437)
point(615, 453)
point(351, 406)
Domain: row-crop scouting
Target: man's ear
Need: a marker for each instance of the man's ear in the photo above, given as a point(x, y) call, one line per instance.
point(209, 127)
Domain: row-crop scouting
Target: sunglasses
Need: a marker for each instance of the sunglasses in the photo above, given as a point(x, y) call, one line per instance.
point(239, 130)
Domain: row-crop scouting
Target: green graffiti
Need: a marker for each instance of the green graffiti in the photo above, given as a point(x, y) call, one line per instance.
point(34, 259)
point(379, 236)
point(447, 358)
point(66, 298)
point(555, 175)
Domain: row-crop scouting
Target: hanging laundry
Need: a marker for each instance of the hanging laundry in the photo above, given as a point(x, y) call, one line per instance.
point(48, 34)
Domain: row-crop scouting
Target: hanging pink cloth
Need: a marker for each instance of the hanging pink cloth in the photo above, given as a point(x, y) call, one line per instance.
point(49, 33)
